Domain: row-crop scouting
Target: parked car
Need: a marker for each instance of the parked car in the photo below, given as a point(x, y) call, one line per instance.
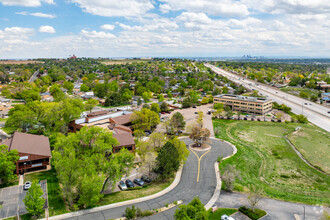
point(27, 185)
point(226, 217)
point(138, 182)
point(129, 184)
point(196, 112)
point(306, 103)
point(145, 179)
point(122, 185)
point(194, 106)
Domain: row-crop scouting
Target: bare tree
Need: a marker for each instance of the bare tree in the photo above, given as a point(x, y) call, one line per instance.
point(200, 135)
point(229, 177)
point(150, 161)
point(254, 196)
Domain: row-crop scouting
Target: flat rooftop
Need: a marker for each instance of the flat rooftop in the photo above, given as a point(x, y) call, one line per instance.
point(243, 98)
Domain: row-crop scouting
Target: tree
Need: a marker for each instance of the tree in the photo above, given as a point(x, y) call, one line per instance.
point(68, 86)
point(8, 161)
point(146, 96)
point(160, 97)
point(139, 101)
point(199, 135)
point(164, 107)
point(200, 119)
point(168, 160)
point(254, 196)
point(303, 95)
point(146, 106)
point(90, 104)
point(300, 118)
point(229, 176)
point(34, 202)
point(178, 122)
point(84, 88)
point(182, 149)
point(56, 92)
point(228, 111)
point(145, 119)
point(218, 106)
point(157, 140)
point(279, 116)
point(194, 210)
point(85, 164)
point(130, 213)
point(155, 107)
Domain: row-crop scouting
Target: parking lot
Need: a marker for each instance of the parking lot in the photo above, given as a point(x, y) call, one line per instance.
point(12, 200)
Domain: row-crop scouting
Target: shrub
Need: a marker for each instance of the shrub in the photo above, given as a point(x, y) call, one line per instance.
point(146, 213)
point(138, 212)
point(130, 213)
point(175, 202)
point(166, 205)
point(257, 214)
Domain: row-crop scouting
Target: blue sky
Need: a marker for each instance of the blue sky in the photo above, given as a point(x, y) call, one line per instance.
point(156, 28)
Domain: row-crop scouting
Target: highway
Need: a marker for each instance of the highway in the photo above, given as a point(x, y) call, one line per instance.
point(315, 113)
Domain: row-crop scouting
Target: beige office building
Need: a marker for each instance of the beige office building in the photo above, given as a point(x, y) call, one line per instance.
point(245, 104)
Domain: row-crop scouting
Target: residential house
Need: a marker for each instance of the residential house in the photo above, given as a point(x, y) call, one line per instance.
point(33, 150)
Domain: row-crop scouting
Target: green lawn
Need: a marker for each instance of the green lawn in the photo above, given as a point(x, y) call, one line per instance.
point(221, 211)
point(153, 188)
point(314, 144)
point(265, 159)
point(56, 203)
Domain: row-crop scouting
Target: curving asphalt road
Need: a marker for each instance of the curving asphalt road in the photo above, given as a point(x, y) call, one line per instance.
point(187, 188)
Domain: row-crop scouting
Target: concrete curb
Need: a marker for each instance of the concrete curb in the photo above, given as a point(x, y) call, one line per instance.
point(119, 204)
point(217, 190)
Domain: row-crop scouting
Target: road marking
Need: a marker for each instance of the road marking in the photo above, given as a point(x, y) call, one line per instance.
point(199, 162)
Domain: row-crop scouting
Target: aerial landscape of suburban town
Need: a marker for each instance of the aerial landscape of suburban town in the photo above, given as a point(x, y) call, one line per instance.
point(141, 109)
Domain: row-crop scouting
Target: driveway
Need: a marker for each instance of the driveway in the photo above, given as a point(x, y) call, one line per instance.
point(12, 198)
point(276, 209)
point(187, 188)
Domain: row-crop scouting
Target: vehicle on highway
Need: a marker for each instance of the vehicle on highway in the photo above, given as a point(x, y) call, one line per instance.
point(122, 185)
point(305, 103)
point(328, 112)
point(27, 185)
point(129, 184)
point(145, 179)
point(138, 182)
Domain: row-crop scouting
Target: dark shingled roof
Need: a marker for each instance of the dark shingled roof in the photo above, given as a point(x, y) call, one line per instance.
point(29, 144)
point(125, 139)
point(122, 120)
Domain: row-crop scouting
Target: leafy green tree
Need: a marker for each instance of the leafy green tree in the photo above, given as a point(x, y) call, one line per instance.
point(146, 96)
point(33, 201)
point(145, 119)
point(168, 160)
point(155, 107)
point(182, 149)
point(228, 111)
point(90, 104)
point(194, 210)
point(164, 107)
point(127, 95)
point(146, 106)
point(68, 86)
point(303, 95)
point(114, 99)
point(178, 122)
point(56, 92)
point(160, 97)
point(218, 106)
point(84, 88)
point(300, 118)
point(7, 164)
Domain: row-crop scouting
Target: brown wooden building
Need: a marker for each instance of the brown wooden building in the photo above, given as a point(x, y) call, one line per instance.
point(33, 150)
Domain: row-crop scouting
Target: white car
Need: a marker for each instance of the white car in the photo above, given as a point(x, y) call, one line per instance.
point(27, 185)
point(226, 217)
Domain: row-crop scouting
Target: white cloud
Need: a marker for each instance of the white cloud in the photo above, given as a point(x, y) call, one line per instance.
point(47, 29)
point(108, 27)
point(43, 15)
point(289, 6)
point(225, 8)
point(194, 17)
point(25, 3)
point(36, 14)
point(95, 34)
point(114, 8)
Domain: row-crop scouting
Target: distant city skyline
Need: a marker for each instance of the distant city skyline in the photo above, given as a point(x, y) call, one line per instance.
point(164, 28)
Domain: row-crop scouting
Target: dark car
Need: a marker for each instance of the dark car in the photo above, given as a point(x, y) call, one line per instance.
point(138, 182)
point(129, 184)
point(145, 179)
point(194, 106)
point(196, 113)
point(122, 185)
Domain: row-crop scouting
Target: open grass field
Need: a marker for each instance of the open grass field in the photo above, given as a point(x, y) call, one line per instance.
point(19, 61)
point(265, 159)
point(314, 144)
point(120, 196)
point(124, 61)
point(56, 203)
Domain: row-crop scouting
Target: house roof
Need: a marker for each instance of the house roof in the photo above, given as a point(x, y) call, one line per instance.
point(29, 144)
point(125, 139)
point(122, 120)
point(94, 114)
